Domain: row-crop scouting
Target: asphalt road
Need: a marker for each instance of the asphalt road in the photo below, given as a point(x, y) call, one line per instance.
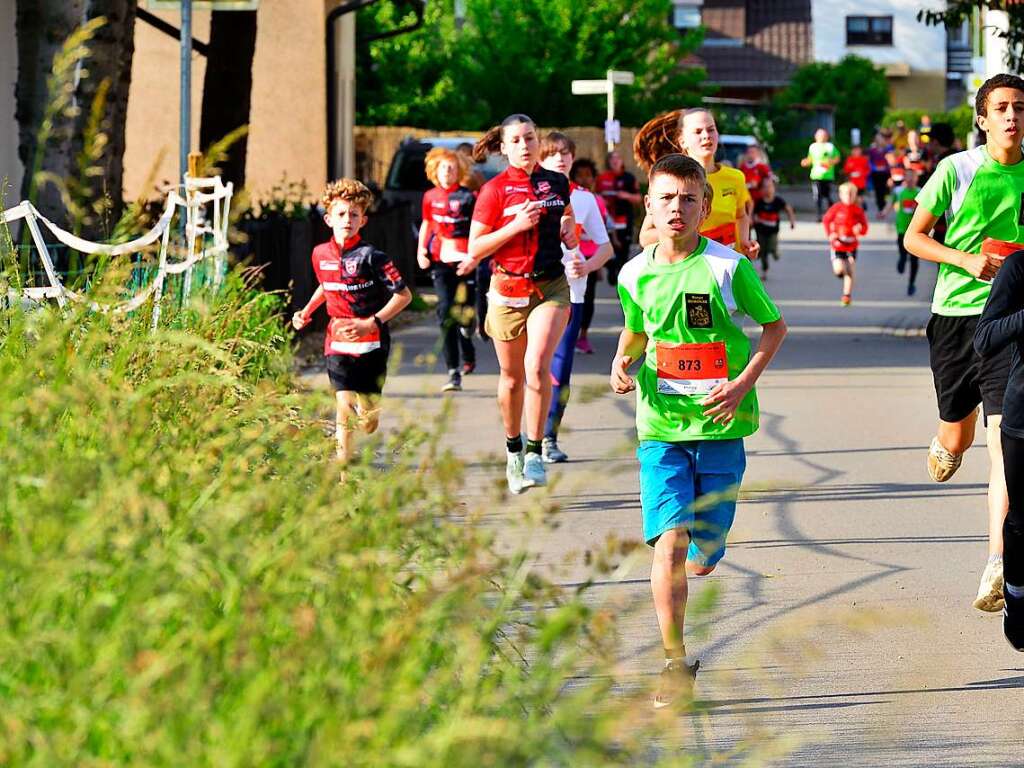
point(843, 631)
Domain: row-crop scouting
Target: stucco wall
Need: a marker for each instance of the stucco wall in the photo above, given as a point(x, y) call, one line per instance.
point(10, 165)
point(288, 124)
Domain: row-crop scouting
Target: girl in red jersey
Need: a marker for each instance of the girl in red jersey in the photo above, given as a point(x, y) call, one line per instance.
point(844, 222)
point(521, 219)
point(443, 244)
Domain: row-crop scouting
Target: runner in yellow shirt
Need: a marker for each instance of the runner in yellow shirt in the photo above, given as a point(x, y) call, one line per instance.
point(693, 132)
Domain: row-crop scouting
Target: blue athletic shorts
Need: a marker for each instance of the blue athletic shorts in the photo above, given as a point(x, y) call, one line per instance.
point(691, 485)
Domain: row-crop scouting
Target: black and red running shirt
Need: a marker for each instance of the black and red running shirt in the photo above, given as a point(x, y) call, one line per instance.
point(448, 213)
point(767, 214)
point(607, 185)
point(538, 249)
point(358, 280)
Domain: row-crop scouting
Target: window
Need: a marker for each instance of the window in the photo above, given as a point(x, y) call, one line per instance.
point(869, 30)
point(685, 17)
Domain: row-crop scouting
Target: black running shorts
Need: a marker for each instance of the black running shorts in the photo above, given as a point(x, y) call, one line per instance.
point(963, 378)
point(359, 373)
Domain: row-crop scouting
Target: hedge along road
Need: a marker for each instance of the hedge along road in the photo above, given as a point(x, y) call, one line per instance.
point(844, 623)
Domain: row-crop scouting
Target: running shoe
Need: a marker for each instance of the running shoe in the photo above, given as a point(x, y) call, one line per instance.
point(942, 464)
point(534, 473)
point(454, 383)
point(675, 683)
point(990, 591)
point(845, 301)
point(514, 472)
point(583, 345)
point(911, 289)
point(1013, 622)
point(468, 368)
point(551, 453)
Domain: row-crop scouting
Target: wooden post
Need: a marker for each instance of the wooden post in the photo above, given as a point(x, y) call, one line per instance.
point(193, 163)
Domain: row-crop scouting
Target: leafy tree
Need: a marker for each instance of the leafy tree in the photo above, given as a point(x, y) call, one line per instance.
point(959, 11)
point(854, 86)
point(520, 56)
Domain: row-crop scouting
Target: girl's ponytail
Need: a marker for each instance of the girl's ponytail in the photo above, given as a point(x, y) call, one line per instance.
point(490, 144)
point(657, 138)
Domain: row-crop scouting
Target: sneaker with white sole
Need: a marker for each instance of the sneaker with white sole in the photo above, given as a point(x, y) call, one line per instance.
point(514, 472)
point(534, 473)
point(942, 464)
point(990, 591)
point(454, 383)
point(551, 453)
point(675, 685)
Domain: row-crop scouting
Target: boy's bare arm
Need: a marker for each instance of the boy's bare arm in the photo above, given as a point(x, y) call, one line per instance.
point(726, 398)
point(301, 318)
point(396, 304)
point(631, 346)
point(921, 244)
point(792, 216)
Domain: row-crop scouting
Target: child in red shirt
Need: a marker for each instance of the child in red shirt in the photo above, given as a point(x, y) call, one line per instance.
point(843, 223)
point(755, 171)
point(857, 169)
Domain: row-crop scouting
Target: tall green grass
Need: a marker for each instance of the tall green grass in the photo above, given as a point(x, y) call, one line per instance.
point(184, 581)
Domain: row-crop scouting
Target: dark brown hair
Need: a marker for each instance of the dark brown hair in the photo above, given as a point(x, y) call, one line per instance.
point(556, 142)
point(679, 166)
point(660, 136)
point(490, 144)
point(997, 81)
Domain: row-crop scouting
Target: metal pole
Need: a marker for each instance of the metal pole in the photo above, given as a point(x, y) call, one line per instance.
point(611, 108)
point(185, 137)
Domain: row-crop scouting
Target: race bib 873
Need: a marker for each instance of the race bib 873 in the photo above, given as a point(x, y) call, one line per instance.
point(691, 369)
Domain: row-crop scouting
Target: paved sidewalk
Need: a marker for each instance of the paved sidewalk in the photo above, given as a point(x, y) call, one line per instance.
point(844, 622)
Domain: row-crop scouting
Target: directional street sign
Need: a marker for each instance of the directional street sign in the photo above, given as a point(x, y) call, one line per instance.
point(606, 87)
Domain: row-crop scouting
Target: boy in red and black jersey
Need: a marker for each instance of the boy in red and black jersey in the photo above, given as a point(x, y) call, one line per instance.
point(443, 245)
point(755, 171)
point(363, 290)
point(621, 195)
point(768, 210)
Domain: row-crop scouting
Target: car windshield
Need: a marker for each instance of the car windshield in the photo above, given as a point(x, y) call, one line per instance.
point(408, 173)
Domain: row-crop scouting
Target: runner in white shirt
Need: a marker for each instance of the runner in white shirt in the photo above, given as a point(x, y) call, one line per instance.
point(556, 154)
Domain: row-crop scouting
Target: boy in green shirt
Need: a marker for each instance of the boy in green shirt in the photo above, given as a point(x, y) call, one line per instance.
point(822, 158)
point(695, 392)
point(980, 192)
point(904, 201)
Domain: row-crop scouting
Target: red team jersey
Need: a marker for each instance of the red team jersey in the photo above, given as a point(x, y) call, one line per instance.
point(857, 170)
point(841, 226)
point(358, 280)
point(754, 174)
point(447, 213)
point(606, 185)
point(536, 250)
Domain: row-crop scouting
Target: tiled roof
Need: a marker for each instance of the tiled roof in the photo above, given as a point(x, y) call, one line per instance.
point(775, 35)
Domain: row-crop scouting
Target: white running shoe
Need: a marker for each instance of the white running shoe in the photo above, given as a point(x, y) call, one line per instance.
point(551, 453)
point(514, 473)
point(942, 464)
point(990, 591)
point(534, 472)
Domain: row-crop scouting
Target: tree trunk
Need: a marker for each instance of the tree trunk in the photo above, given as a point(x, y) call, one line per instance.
point(42, 28)
point(227, 87)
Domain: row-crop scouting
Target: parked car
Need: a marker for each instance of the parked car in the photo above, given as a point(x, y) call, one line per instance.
point(407, 178)
point(731, 148)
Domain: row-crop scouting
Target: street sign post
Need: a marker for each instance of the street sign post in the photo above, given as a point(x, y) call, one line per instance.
point(606, 87)
point(185, 93)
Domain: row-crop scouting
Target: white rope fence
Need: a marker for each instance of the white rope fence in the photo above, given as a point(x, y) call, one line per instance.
point(205, 206)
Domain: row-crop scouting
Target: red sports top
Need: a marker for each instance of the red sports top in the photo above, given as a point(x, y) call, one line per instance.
point(755, 174)
point(839, 223)
point(447, 213)
point(857, 170)
point(538, 249)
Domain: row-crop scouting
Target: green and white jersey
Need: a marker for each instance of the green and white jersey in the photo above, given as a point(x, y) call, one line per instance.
point(980, 198)
point(819, 154)
point(690, 312)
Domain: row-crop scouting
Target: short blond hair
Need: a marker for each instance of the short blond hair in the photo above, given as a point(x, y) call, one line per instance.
point(850, 188)
point(439, 154)
point(349, 190)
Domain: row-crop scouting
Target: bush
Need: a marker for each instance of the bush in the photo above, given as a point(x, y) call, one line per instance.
point(183, 581)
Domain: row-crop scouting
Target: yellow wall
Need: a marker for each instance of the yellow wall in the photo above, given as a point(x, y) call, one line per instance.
point(918, 90)
point(288, 123)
